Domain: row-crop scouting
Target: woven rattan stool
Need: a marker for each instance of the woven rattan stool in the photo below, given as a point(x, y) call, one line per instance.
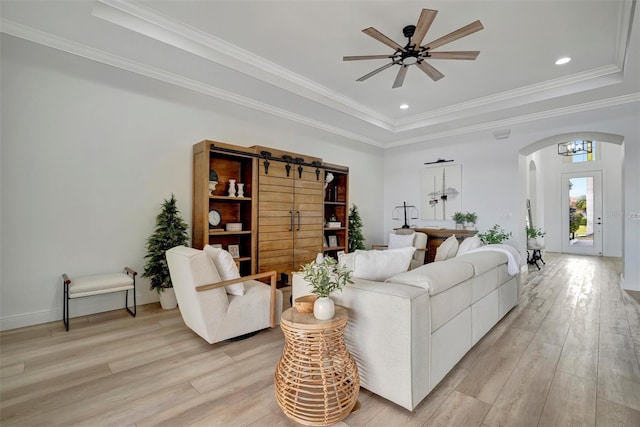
point(316, 380)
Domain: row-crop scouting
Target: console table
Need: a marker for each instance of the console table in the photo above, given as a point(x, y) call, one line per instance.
point(316, 380)
point(435, 237)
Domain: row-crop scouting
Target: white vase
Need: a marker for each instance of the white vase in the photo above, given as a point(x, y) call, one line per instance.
point(212, 187)
point(168, 299)
point(323, 308)
point(232, 188)
point(240, 190)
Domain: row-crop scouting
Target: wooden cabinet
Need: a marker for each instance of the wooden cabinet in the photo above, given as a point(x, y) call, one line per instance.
point(283, 213)
point(290, 211)
point(336, 209)
point(230, 163)
point(435, 237)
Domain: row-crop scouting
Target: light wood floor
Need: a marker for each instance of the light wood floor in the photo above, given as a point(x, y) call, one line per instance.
point(568, 354)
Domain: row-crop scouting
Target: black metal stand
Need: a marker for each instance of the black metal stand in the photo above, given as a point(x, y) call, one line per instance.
point(534, 257)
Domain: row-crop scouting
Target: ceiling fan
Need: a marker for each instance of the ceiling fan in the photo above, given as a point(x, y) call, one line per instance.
point(413, 53)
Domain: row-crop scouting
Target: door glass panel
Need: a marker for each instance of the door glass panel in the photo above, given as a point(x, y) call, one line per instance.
point(581, 211)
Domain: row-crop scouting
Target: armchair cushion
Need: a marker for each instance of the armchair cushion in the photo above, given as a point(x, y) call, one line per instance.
point(226, 267)
point(400, 240)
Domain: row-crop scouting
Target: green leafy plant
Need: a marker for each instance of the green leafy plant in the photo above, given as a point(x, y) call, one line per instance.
point(494, 235)
point(471, 217)
point(534, 233)
point(170, 231)
point(356, 239)
point(574, 222)
point(459, 217)
point(327, 276)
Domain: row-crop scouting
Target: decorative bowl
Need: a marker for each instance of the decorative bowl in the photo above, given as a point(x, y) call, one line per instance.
point(305, 304)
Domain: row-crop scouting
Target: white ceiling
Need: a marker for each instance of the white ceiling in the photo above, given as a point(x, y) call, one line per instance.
point(285, 57)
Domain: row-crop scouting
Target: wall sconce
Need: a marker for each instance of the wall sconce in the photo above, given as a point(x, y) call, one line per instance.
point(573, 148)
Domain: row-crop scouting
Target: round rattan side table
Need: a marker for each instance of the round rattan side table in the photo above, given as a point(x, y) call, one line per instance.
point(316, 380)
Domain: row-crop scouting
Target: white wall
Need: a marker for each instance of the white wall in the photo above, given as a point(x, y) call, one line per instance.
point(494, 177)
point(89, 152)
point(488, 185)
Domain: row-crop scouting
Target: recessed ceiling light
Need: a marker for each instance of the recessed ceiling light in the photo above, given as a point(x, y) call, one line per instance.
point(563, 60)
point(404, 106)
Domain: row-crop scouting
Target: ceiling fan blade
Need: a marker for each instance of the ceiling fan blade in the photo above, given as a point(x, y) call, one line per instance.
point(430, 71)
point(424, 23)
point(400, 76)
point(455, 35)
point(361, 57)
point(463, 54)
point(376, 71)
point(372, 32)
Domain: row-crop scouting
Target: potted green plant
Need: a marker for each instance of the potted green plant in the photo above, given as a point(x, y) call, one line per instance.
point(534, 235)
point(470, 219)
point(459, 219)
point(170, 231)
point(325, 275)
point(494, 235)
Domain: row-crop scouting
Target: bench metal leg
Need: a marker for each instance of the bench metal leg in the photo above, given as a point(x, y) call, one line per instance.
point(126, 298)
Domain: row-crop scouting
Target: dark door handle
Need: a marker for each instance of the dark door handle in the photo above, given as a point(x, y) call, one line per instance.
point(298, 220)
point(291, 216)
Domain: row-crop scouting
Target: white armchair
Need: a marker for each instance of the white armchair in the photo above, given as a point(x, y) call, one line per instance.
point(208, 309)
point(399, 238)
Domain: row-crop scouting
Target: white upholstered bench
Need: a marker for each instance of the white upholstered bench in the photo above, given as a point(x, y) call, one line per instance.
point(86, 286)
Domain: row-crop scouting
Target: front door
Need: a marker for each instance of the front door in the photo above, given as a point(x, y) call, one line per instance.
point(582, 213)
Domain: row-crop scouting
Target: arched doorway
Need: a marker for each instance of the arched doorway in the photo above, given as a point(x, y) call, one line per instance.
point(544, 183)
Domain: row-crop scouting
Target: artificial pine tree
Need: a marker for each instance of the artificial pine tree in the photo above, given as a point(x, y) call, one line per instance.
point(170, 231)
point(356, 239)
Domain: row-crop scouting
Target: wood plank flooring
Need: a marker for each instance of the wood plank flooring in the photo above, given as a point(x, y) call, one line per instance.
point(568, 354)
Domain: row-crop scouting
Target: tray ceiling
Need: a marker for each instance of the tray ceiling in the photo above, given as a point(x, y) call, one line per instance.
point(285, 57)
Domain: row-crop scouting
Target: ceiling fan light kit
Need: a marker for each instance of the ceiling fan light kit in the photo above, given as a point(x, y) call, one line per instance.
point(413, 53)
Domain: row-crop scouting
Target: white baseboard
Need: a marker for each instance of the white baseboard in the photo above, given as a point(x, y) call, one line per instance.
point(77, 307)
point(625, 285)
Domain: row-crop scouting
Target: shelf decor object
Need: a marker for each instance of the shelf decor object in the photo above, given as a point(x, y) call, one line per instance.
point(413, 213)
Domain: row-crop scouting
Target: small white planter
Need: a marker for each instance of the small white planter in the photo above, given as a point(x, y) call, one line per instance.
point(323, 308)
point(168, 299)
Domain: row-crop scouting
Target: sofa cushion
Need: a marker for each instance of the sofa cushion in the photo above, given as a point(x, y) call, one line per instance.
point(448, 249)
point(227, 268)
point(347, 259)
point(468, 244)
point(380, 265)
point(436, 277)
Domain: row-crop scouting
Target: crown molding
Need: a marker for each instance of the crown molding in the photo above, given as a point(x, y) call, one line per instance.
point(74, 48)
point(143, 20)
point(505, 99)
point(578, 108)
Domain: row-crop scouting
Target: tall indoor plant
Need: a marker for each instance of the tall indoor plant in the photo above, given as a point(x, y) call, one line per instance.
point(170, 231)
point(356, 239)
point(325, 275)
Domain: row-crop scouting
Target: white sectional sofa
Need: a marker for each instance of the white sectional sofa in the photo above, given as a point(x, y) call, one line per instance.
point(408, 332)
